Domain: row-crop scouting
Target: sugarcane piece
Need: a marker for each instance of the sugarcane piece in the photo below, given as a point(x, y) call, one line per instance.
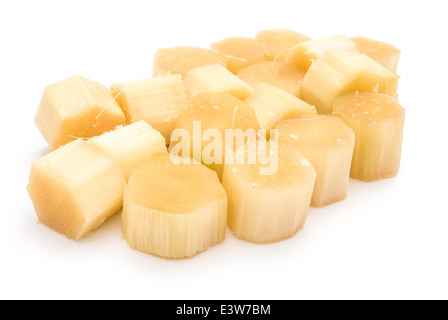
point(269, 206)
point(157, 100)
point(240, 52)
point(272, 105)
point(340, 71)
point(76, 108)
point(76, 188)
point(278, 74)
point(131, 145)
point(386, 54)
point(173, 210)
point(305, 52)
point(215, 78)
point(378, 121)
point(277, 42)
point(216, 111)
point(180, 60)
point(327, 142)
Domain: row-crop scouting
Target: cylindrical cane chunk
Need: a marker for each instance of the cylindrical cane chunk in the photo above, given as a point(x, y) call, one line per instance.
point(205, 125)
point(157, 100)
point(276, 42)
point(327, 142)
point(339, 72)
point(268, 205)
point(215, 78)
point(76, 108)
point(281, 75)
point(304, 53)
point(272, 105)
point(131, 145)
point(76, 188)
point(240, 52)
point(386, 54)
point(180, 60)
point(174, 210)
point(378, 121)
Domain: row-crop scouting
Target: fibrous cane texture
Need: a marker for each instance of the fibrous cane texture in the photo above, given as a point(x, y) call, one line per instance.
point(76, 188)
point(174, 210)
point(378, 122)
point(327, 142)
point(266, 207)
point(157, 100)
point(76, 108)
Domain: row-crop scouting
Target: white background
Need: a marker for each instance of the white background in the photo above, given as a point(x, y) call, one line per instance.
point(387, 240)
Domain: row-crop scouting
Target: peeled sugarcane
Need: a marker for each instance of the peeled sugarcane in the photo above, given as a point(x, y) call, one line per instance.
point(277, 42)
point(278, 74)
point(180, 60)
point(174, 210)
point(215, 78)
point(76, 108)
point(76, 188)
point(378, 122)
point(131, 145)
point(268, 205)
point(327, 142)
point(201, 129)
point(386, 54)
point(306, 52)
point(240, 52)
point(157, 100)
point(340, 71)
point(272, 105)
